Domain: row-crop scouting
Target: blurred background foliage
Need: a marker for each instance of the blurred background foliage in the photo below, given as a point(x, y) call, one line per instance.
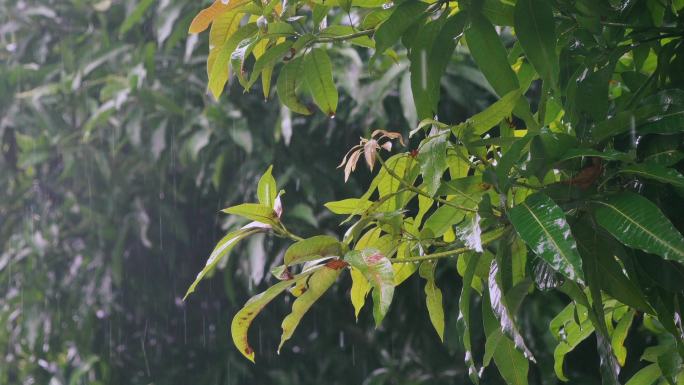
point(114, 165)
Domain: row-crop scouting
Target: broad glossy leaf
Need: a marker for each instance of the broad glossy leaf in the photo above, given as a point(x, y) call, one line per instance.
point(254, 211)
point(377, 269)
point(638, 223)
point(463, 321)
point(432, 159)
point(542, 225)
point(220, 250)
point(503, 314)
point(266, 189)
point(316, 286)
point(289, 78)
point(207, 15)
point(218, 76)
point(319, 79)
point(400, 20)
point(535, 29)
point(433, 297)
point(655, 172)
point(312, 248)
point(607, 154)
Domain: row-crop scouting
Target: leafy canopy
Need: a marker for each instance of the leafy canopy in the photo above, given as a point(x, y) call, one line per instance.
point(569, 182)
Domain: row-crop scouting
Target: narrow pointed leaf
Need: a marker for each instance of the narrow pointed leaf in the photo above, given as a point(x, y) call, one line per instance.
point(348, 206)
point(377, 269)
point(207, 15)
point(402, 18)
point(655, 172)
point(535, 29)
point(289, 78)
point(268, 59)
point(638, 223)
point(432, 158)
point(266, 189)
point(218, 76)
point(646, 376)
point(542, 225)
point(316, 286)
point(463, 321)
point(433, 297)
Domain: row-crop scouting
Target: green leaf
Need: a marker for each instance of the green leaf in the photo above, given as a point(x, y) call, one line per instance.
point(309, 249)
point(432, 159)
point(220, 251)
point(254, 211)
point(646, 376)
point(542, 225)
point(443, 219)
point(433, 297)
point(237, 58)
point(534, 27)
point(638, 223)
point(337, 30)
point(268, 59)
point(319, 79)
point(620, 334)
point(349, 206)
point(569, 333)
point(503, 314)
point(402, 18)
point(490, 55)
point(316, 286)
point(243, 319)
point(655, 172)
point(135, 17)
point(463, 320)
point(512, 364)
point(219, 70)
point(266, 189)
point(289, 78)
point(607, 154)
point(377, 269)
point(494, 114)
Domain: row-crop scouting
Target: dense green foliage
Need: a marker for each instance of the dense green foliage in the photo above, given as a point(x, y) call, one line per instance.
point(570, 182)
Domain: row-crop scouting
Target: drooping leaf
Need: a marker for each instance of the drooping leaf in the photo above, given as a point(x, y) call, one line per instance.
point(254, 211)
point(319, 79)
point(266, 189)
point(503, 314)
point(463, 320)
point(638, 223)
point(268, 60)
point(512, 364)
point(542, 225)
point(569, 333)
point(620, 334)
point(646, 376)
point(535, 29)
point(377, 269)
point(432, 158)
point(220, 251)
point(316, 286)
point(289, 78)
point(400, 20)
point(433, 297)
point(218, 76)
point(316, 247)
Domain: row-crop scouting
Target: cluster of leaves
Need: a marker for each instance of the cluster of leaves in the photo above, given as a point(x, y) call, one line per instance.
point(569, 182)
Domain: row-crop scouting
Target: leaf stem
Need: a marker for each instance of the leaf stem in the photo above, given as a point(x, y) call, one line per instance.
point(447, 253)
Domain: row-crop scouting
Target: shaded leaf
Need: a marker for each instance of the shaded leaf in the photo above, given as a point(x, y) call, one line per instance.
point(319, 79)
point(289, 78)
point(535, 29)
point(400, 20)
point(433, 297)
point(432, 158)
point(655, 172)
point(463, 320)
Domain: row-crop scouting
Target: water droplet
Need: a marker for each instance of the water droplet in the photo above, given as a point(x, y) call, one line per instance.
point(388, 5)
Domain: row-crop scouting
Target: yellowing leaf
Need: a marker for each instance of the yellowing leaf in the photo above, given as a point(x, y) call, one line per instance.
point(377, 269)
point(209, 14)
point(312, 248)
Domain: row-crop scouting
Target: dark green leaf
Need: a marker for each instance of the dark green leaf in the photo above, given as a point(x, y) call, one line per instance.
point(319, 79)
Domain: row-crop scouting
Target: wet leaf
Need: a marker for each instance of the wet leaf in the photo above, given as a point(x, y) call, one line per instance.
point(542, 225)
point(319, 282)
point(291, 75)
point(268, 60)
point(433, 297)
point(377, 269)
point(569, 333)
point(218, 76)
point(400, 20)
point(463, 321)
point(655, 172)
point(432, 159)
point(638, 223)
